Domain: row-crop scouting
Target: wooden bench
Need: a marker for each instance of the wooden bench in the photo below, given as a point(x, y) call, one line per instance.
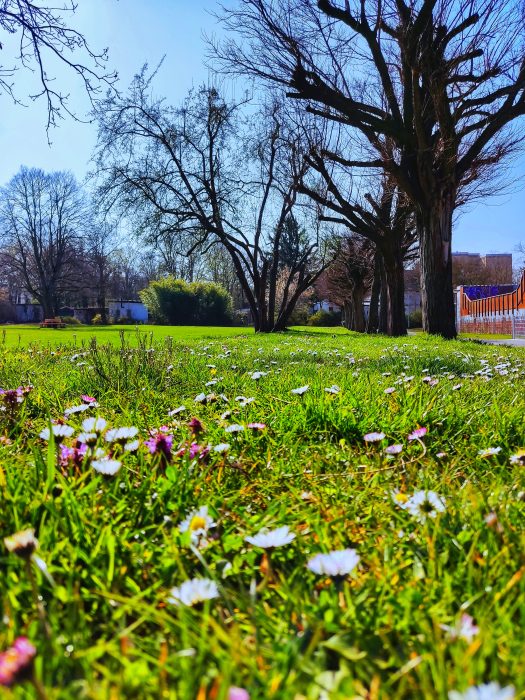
point(52, 323)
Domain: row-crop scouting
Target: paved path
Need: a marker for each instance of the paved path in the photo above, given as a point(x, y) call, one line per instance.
point(514, 342)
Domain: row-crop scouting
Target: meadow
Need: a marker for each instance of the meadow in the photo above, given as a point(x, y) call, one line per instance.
point(183, 485)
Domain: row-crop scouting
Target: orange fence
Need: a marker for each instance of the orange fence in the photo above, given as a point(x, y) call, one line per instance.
point(501, 304)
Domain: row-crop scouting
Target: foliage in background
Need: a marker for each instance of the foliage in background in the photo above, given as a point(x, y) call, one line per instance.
point(176, 302)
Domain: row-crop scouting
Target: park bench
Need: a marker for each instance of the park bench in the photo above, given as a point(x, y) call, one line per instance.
point(52, 323)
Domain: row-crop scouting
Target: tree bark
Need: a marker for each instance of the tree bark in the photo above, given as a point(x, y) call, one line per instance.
point(435, 243)
point(358, 297)
point(383, 302)
point(373, 313)
point(395, 292)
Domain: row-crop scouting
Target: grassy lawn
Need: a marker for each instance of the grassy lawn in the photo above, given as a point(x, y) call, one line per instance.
point(28, 334)
point(437, 525)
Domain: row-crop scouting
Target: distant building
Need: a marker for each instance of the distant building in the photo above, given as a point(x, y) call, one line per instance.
point(130, 310)
point(325, 305)
point(476, 269)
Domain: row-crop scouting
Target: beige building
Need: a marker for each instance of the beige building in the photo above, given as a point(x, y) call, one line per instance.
point(473, 268)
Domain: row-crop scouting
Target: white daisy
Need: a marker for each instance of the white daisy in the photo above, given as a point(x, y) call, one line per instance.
point(374, 437)
point(121, 434)
point(87, 438)
point(334, 389)
point(337, 563)
point(94, 425)
point(489, 452)
point(176, 411)
point(132, 446)
point(106, 465)
point(394, 449)
point(464, 629)
point(234, 428)
point(425, 504)
point(76, 409)
point(268, 539)
point(258, 375)
point(59, 432)
point(22, 543)
point(222, 447)
point(194, 591)
point(487, 691)
point(198, 522)
point(301, 390)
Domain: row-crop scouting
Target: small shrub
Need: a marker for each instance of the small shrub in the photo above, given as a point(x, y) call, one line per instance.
point(70, 320)
point(325, 318)
point(415, 319)
point(96, 320)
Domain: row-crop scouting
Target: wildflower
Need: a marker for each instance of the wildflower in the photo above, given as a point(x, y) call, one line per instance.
point(222, 447)
point(197, 523)
point(487, 691)
point(132, 446)
point(418, 434)
point(194, 591)
point(334, 389)
point(200, 398)
point(235, 693)
point(121, 434)
point(88, 399)
point(106, 465)
point(234, 428)
point(59, 432)
point(268, 539)
point(199, 451)
point(87, 438)
point(399, 498)
point(489, 452)
point(160, 442)
point(22, 543)
point(73, 456)
point(374, 437)
point(76, 409)
point(16, 663)
point(195, 426)
point(464, 629)
point(244, 401)
point(425, 504)
point(518, 458)
point(335, 564)
point(301, 390)
point(257, 375)
point(393, 449)
point(390, 390)
point(94, 425)
point(257, 426)
point(176, 411)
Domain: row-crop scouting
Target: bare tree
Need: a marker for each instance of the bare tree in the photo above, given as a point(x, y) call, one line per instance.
point(444, 80)
point(349, 278)
point(40, 37)
point(42, 219)
point(201, 171)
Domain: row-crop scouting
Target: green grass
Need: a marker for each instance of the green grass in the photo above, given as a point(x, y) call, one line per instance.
point(114, 548)
point(27, 334)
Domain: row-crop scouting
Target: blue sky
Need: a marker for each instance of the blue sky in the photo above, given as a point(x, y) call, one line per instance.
point(139, 31)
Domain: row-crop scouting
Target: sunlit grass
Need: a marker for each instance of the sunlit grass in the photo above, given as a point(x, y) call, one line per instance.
point(114, 549)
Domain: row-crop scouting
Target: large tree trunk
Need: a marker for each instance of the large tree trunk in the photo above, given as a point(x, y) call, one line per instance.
point(373, 313)
point(383, 302)
point(348, 315)
point(395, 291)
point(358, 297)
point(435, 244)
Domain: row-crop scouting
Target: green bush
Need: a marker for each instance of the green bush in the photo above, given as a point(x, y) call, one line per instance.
point(70, 320)
point(96, 320)
point(179, 303)
point(325, 318)
point(415, 319)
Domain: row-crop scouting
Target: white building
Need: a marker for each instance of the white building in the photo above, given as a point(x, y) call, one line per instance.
point(132, 310)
